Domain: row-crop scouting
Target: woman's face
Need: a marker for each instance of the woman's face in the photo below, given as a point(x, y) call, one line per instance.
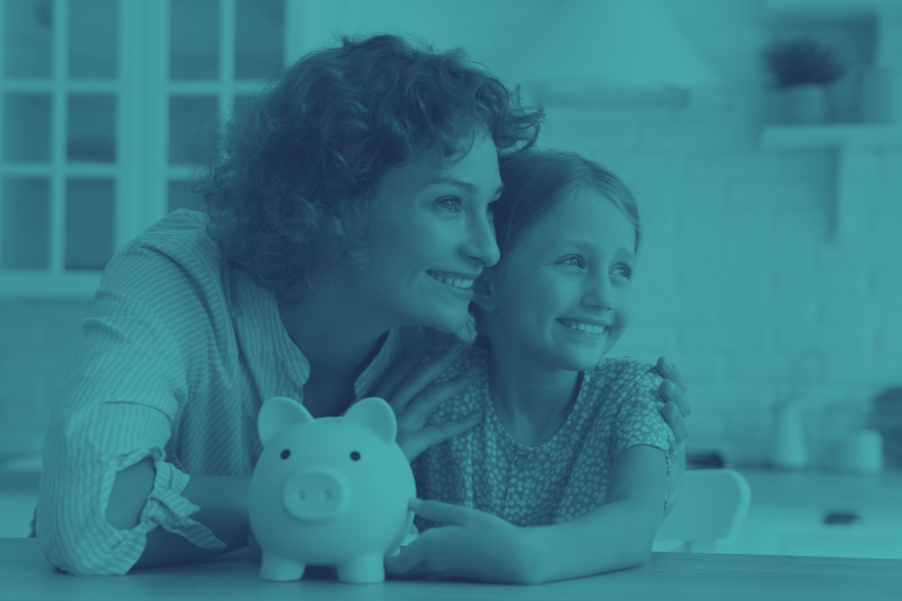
point(560, 294)
point(430, 236)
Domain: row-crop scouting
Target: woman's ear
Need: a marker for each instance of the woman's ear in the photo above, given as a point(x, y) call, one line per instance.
point(484, 290)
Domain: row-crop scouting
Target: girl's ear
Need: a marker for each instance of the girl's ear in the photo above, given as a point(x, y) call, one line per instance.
point(484, 290)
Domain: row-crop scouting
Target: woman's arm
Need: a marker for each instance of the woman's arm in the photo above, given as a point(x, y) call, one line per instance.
point(223, 509)
point(476, 545)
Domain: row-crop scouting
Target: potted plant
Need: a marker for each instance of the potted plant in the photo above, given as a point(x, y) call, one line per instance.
point(803, 71)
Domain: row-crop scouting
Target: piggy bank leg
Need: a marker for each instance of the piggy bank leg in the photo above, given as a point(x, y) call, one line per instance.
point(366, 569)
point(279, 569)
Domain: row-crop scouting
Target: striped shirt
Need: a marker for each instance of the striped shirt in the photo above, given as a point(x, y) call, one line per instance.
point(176, 360)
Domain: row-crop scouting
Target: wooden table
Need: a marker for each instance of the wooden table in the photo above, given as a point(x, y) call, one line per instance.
point(25, 575)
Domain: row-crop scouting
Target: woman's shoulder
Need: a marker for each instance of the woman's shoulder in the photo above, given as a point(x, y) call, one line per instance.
point(181, 235)
point(176, 247)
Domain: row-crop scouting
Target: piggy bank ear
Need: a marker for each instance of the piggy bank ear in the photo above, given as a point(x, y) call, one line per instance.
point(279, 413)
point(375, 414)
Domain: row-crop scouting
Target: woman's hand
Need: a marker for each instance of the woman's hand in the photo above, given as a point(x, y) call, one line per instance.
point(676, 409)
point(474, 545)
point(408, 390)
point(676, 406)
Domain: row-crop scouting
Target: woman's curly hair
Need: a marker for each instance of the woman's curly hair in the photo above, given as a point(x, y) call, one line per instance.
point(310, 151)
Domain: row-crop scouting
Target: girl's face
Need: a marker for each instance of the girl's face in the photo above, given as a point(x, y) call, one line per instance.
point(430, 236)
point(560, 294)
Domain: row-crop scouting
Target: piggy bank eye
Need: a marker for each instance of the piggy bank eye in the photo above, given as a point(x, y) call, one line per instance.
point(286, 454)
point(355, 456)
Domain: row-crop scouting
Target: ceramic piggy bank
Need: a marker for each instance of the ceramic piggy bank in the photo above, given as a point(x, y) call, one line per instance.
point(331, 491)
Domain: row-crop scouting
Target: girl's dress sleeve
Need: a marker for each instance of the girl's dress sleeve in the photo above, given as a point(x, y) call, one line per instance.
point(119, 403)
point(639, 419)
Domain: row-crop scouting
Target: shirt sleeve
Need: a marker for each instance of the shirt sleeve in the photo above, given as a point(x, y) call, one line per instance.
point(639, 419)
point(120, 402)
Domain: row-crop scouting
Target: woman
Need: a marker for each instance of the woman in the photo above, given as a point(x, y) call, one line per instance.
point(334, 257)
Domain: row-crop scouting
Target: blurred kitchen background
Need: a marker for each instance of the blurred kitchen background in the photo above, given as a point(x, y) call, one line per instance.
point(763, 138)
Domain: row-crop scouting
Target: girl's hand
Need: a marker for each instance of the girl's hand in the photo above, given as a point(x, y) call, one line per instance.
point(475, 545)
point(407, 389)
point(676, 406)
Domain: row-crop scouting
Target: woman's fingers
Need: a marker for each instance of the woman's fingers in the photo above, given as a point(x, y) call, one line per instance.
point(422, 439)
point(672, 394)
point(427, 401)
point(393, 378)
point(421, 377)
point(675, 420)
point(669, 371)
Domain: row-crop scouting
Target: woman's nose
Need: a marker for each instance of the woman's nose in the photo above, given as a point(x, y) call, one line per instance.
point(482, 244)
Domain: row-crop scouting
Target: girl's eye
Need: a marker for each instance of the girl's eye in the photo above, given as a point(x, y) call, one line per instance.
point(625, 271)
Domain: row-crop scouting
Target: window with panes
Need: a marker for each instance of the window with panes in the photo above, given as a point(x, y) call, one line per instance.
point(107, 107)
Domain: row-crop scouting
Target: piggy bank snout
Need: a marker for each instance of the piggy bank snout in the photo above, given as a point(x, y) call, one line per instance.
point(317, 494)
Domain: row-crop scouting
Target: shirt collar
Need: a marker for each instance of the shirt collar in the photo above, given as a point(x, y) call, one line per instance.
point(259, 330)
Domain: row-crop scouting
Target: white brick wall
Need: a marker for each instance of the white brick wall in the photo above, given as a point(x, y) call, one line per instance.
point(738, 273)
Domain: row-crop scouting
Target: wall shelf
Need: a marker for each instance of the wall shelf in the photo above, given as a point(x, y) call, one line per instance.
point(853, 146)
point(868, 135)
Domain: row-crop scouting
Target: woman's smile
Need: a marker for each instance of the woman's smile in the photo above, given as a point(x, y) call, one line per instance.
point(453, 280)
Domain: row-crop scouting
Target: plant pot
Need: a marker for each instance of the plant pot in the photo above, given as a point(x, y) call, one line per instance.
point(809, 103)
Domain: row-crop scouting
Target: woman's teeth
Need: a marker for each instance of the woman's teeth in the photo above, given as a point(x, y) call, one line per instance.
point(456, 282)
point(588, 328)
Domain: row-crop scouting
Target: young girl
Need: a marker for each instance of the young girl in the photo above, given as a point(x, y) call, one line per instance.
point(565, 474)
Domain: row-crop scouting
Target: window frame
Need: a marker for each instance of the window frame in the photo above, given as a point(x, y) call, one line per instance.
point(142, 87)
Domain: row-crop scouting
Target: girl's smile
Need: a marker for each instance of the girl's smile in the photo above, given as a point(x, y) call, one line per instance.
point(558, 298)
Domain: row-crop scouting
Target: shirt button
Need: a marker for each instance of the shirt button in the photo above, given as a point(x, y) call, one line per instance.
point(522, 462)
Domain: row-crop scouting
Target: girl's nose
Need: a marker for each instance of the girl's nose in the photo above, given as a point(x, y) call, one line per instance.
point(599, 292)
point(481, 244)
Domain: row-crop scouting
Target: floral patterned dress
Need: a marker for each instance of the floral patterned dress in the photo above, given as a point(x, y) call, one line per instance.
point(486, 468)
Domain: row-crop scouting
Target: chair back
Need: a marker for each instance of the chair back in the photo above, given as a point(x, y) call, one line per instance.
point(712, 505)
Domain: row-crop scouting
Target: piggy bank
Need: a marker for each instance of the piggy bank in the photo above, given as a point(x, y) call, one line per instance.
point(331, 491)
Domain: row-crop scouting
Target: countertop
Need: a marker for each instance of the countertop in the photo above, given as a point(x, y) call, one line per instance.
point(26, 576)
point(825, 490)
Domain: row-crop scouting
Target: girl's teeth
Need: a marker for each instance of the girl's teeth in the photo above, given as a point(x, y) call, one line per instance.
point(457, 283)
point(585, 327)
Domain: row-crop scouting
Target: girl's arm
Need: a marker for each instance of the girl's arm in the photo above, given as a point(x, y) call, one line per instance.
point(476, 545)
point(615, 536)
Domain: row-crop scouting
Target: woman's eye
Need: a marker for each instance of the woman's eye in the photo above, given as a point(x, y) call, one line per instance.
point(573, 261)
point(451, 204)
